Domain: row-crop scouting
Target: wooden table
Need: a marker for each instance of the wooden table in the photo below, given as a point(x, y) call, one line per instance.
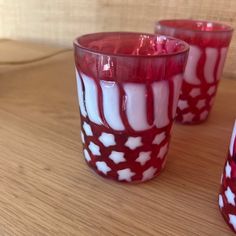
point(47, 189)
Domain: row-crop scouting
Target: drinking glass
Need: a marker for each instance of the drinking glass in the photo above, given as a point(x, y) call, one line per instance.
point(227, 203)
point(209, 42)
point(128, 89)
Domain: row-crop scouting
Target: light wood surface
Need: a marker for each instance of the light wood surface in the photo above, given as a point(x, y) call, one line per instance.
point(47, 189)
point(60, 21)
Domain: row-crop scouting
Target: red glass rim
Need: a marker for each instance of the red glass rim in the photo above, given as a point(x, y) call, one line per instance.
point(118, 38)
point(201, 26)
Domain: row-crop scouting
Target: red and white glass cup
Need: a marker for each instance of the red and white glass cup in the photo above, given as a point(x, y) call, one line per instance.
point(128, 88)
point(227, 196)
point(209, 42)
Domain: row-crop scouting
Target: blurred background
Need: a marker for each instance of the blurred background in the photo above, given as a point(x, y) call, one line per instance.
point(58, 22)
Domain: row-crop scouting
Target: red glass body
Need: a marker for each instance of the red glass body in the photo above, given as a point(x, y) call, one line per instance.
point(209, 42)
point(227, 196)
point(128, 88)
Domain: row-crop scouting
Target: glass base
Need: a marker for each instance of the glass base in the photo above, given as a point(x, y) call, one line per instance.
point(114, 179)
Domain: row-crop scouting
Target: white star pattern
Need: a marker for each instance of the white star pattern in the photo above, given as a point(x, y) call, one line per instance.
point(232, 220)
point(203, 115)
point(159, 138)
point(201, 103)
point(211, 90)
point(143, 157)
point(94, 149)
point(103, 167)
point(221, 203)
point(228, 170)
point(107, 139)
point(133, 142)
point(182, 104)
point(195, 92)
point(117, 157)
point(86, 155)
point(82, 137)
point(230, 196)
point(149, 173)
point(125, 174)
point(188, 117)
point(87, 129)
point(163, 151)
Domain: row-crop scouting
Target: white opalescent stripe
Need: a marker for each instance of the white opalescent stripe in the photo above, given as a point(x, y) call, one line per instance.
point(190, 74)
point(80, 94)
point(91, 101)
point(211, 57)
point(177, 79)
point(161, 98)
point(223, 53)
point(111, 105)
point(136, 106)
point(231, 146)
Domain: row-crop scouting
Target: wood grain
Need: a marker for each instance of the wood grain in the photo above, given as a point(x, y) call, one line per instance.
point(11, 51)
point(59, 22)
point(47, 189)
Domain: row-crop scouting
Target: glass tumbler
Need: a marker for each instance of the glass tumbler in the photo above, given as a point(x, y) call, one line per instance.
point(209, 42)
point(227, 196)
point(128, 88)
